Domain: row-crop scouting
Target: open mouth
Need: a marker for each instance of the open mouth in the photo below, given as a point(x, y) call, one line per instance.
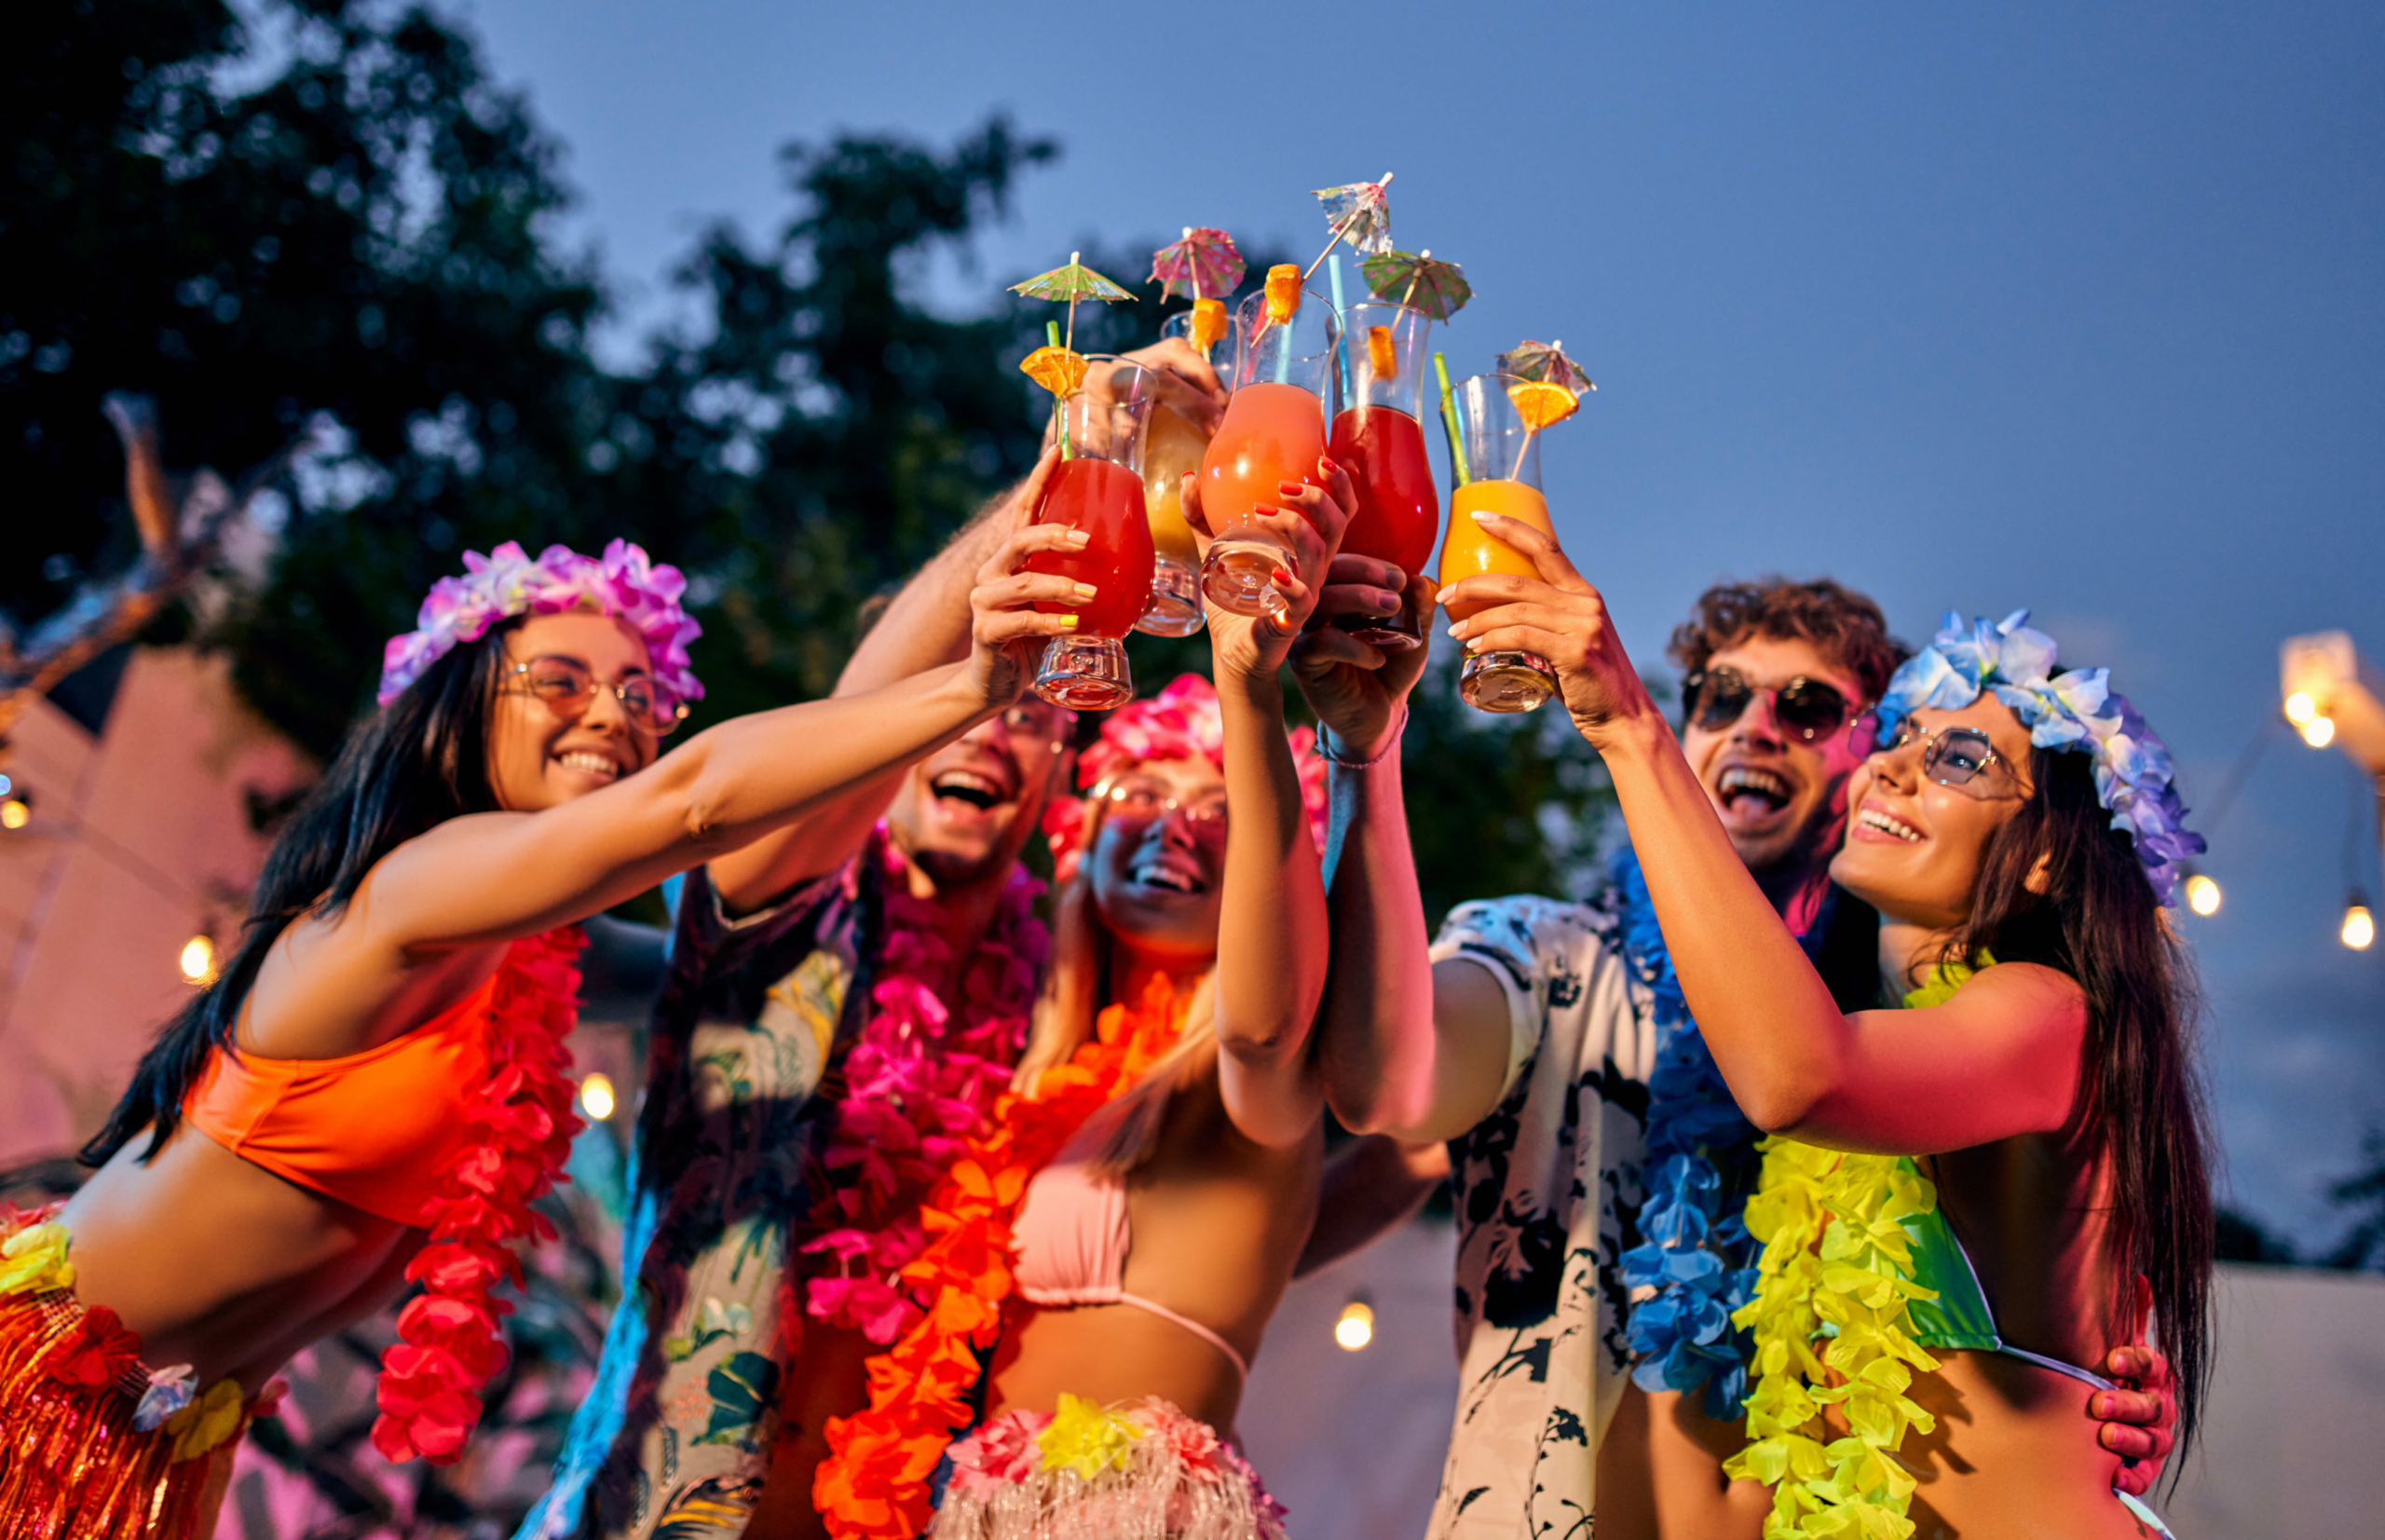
point(1883, 822)
point(970, 787)
point(1169, 873)
point(589, 763)
point(1747, 789)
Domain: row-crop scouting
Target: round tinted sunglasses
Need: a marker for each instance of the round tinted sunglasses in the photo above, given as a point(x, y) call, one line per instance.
point(1960, 758)
point(569, 687)
point(1807, 708)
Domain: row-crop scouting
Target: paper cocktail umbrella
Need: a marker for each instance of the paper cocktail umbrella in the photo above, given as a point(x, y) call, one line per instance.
point(1071, 282)
point(1436, 290)
point(1204, 265)
point(1359, 213)
point(1546, 386)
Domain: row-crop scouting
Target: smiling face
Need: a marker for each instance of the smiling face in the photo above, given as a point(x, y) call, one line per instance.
point(1782, 799)
point(1915, 847)
point(541, 756)
point(1158, 876)
point(965, 812)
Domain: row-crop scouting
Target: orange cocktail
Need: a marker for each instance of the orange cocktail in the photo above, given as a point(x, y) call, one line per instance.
point(1273, 432)
point(1496, 469)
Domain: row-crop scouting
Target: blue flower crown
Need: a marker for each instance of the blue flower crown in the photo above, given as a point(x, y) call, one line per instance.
point(2077, 711)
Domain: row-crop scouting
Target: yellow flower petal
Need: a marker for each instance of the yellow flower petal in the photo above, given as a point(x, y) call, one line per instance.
point(33, 1260)
point(207, 1422)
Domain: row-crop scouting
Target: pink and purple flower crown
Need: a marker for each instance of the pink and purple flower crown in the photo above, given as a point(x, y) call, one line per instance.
point(504, 583)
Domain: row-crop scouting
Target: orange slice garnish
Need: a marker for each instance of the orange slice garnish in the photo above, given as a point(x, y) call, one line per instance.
point(1541, 403)
point(1208, 325)
point(1283, 292)
point(1381, 353)
point(1055, 369)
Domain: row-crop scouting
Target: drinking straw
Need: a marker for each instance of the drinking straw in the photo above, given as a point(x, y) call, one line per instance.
point(1342, 317)
point(1052, 335)
point(1448, 421)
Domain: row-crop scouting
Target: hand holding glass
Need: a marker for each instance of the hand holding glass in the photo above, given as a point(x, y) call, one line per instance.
point(1098, 488)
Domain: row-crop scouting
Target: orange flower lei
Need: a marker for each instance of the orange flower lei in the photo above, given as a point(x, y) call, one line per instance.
point(874, 1484)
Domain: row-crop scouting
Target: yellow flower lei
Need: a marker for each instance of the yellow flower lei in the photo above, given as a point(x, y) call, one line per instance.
point(1860, 1281)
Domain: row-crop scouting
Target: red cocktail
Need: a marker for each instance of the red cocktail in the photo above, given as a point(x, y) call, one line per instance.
point(1273, 432)
point(1379, 381)
point(1099, 489)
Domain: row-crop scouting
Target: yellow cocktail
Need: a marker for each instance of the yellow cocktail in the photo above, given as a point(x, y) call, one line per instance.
point(1496, 471)
point(1173, 448)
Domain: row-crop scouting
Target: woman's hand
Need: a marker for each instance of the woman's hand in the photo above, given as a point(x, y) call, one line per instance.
point(1560, 617)
point(1354, 687)
point(1007, 634)
point(1308, 524)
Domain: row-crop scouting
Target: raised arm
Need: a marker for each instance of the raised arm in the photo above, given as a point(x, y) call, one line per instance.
point(1999, 1058)
point(492, 875)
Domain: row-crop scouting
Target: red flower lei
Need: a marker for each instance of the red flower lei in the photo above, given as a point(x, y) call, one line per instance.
point(921, 1079)
point(874, 1484)
point(448, 1342)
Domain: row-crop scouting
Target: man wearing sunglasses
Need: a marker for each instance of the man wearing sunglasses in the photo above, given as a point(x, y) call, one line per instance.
point(1532, 1045)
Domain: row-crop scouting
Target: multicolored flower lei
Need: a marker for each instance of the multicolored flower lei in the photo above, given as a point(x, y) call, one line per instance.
point(2077, 711)
point(506, 582)
point(921, 1079)
point(1837, 1251)
point(448, 1341)
point(874, 1484)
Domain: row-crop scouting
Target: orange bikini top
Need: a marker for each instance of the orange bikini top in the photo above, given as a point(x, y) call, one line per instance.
point(375, 1129)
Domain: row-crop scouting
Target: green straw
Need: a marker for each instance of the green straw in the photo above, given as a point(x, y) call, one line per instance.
point(1052, 335)
point(1448, 421)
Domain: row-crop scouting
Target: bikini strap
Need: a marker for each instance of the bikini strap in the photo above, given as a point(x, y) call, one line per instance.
point(1241, 1365)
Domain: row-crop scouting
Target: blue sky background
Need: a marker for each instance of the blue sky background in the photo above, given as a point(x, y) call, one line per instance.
point(2073, 306)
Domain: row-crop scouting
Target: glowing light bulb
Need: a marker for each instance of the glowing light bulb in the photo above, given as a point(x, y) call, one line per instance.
point(2318, 731)
point(1357, 1326)
point(2301, 708)
point(14, 814)
point(2360, 926)
point(199, 960)
point(596, 1096)
point(2203, 894)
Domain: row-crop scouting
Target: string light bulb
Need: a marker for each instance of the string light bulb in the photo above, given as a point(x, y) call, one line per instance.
point(2301, 708)
point(199, 960)
point(596, 1096)
point(2318, 731)
point(2360, 926)
point(1356, 1327)
point(2202, 895)
point(14, 812)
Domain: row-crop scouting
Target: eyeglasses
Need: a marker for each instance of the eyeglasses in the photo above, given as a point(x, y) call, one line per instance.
point(1960, 758)
point(1145, 799)
point(1717, 697)
point(1033, 721)
point(569, 688)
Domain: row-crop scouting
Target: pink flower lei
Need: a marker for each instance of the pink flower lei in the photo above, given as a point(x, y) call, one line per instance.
point(504, 583)
point(448, 1342)
point(921, 1080)
point(1181, 722)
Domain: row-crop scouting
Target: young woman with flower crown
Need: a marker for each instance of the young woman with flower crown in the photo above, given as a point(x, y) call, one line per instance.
point(1962, 1201)
point(1118, 1240)
point(374, 1090)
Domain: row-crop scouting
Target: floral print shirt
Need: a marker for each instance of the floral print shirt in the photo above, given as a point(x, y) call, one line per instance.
point(673, 1441)
point(1546, 1190)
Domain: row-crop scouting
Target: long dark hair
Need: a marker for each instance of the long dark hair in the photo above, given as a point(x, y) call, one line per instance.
point(2140, 1107)
point(418, 762)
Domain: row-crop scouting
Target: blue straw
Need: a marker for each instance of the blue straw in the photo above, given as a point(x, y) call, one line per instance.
point(1340, 318)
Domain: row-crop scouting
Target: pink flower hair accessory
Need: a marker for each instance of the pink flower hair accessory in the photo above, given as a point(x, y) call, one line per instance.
point(506, 582)
point(1181, 722)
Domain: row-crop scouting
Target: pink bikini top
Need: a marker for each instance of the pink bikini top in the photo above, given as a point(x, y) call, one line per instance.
point(1074, 1237)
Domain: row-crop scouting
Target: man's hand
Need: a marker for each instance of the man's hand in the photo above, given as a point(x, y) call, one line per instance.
point(2138, 1424)
point(1309, 523)
point(1181, 380)
point(1558, 616)
point(1354, 687)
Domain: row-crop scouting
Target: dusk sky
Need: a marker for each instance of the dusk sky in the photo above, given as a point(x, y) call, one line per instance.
point(2074, 308)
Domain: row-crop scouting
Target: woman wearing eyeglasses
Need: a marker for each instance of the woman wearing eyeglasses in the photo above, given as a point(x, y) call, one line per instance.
point(1964, 1199)
point(373, 1090)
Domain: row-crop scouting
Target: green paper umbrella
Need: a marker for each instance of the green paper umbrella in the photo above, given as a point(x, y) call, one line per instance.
point(1545, 361)
point(1071, 282)
point(1437, 290)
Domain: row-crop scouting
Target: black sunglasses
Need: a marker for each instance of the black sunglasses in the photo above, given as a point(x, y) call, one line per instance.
point(1716, 698)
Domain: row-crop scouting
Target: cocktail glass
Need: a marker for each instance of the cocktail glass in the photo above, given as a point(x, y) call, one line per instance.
point(1173, 448)
point(1273, 432)
point(1497, 470)
point(1097, 487)
point(1378, 385)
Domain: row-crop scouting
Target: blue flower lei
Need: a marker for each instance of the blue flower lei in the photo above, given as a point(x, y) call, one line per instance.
point(2077, 711)
point(1695, 1251)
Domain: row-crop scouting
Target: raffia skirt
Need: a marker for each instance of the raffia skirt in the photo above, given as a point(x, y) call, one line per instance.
point(1146, 1471)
